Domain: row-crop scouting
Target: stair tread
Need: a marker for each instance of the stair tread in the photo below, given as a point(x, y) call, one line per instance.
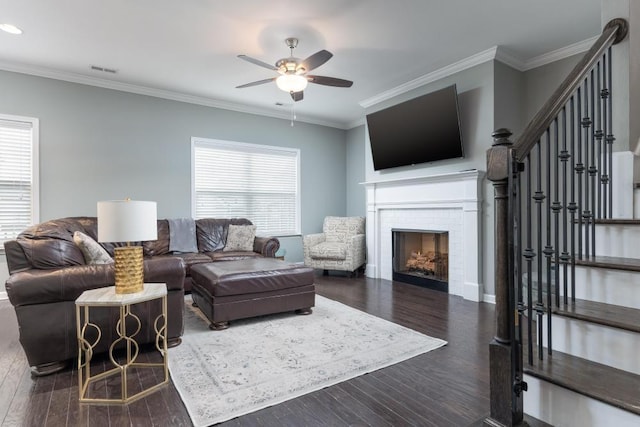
point(615, 316)
point(618, 221)
point(617, 263)
point(609, 385)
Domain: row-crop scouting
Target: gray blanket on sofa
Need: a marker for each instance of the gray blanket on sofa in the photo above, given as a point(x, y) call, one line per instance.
point(182, 235)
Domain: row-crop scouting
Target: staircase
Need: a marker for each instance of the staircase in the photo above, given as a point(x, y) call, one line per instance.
point(592, 376)
point(567, 345)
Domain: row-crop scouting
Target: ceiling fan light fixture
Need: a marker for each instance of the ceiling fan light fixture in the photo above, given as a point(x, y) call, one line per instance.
point(291, 83)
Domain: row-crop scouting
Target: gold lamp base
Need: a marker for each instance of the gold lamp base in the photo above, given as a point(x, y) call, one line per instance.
point(129, 270)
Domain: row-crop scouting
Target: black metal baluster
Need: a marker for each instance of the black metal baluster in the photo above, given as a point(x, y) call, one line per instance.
point(564, 257)
point(573, 206)
point(579, 168)
point(520, 307)
point(539, 199)
point(610, 138)
point(529, 255)
point(598, 135)
point(604, 178)
point(548, 249)
point(593, 170)
point(556, 207)
point(586, 125)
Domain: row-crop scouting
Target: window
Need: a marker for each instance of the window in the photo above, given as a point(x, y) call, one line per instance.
point(257, 182)
point(18, 175)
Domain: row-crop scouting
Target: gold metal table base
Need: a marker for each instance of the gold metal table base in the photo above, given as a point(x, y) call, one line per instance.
point(106, 297)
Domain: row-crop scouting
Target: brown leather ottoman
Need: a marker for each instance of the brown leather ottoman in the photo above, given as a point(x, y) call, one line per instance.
point(230, 290)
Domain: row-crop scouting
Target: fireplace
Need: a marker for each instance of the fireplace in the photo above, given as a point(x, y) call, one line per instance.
point(450, 202)
point(421, 257)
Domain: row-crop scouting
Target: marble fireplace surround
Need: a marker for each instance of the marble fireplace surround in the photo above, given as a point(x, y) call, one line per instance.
point(449, 202)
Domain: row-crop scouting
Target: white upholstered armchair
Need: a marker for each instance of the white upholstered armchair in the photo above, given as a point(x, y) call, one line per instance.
point(341, 245)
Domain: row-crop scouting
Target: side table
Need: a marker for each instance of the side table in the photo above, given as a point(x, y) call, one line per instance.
point(106, 297)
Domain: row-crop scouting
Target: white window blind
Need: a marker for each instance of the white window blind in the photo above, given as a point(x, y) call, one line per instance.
point(18, 175)
point(257, 182)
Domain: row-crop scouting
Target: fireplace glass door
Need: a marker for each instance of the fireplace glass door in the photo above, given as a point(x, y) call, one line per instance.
point(421, 257)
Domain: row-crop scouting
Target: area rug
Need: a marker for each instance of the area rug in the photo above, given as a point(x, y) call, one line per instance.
point(264, 361)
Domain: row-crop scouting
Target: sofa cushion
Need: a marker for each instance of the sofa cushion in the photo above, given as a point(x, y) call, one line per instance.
point(328, 250)
point(92, 251)
point(212, 232)
point(50, 244)
point(240, 238)
point(232, 255)
point(189, 259)
point(161, 245)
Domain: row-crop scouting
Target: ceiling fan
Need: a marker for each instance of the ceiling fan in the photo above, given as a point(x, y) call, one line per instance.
point(293, 72)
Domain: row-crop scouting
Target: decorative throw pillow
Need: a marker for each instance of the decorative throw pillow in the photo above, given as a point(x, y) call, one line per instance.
point(240, 238)
point(92, 251)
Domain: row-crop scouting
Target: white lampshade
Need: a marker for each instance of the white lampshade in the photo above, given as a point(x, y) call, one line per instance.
point(127, 221)
point(291, 82)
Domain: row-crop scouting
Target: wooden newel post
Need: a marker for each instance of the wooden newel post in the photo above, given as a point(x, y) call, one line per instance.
point(506, 406)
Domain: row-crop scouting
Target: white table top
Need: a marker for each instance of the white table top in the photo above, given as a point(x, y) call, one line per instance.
point(108, 297)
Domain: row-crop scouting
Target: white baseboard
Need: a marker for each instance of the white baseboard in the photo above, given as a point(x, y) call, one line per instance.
point(472, 291)
point(488, 298)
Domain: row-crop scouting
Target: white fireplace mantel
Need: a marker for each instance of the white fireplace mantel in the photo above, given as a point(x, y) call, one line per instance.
point(449, 202)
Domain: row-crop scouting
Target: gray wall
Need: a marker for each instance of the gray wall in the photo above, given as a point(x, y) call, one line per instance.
point(356, 195)
point(100, 144)
point(509, 110)
point(541, 82)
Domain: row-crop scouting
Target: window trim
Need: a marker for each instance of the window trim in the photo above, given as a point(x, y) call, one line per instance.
point(35, 164)
point(199, 141)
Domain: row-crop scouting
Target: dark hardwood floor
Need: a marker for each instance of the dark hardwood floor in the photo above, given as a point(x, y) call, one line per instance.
point(445, 387)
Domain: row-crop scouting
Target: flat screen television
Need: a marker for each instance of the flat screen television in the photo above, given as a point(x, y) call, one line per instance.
point(421, 130)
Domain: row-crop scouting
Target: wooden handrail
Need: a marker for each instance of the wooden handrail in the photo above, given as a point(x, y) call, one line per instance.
point(614, 32)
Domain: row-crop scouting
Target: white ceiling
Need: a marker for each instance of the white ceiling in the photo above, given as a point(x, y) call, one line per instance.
point(186, 49)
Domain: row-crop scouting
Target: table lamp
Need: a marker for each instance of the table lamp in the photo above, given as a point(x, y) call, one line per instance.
point(127, 221)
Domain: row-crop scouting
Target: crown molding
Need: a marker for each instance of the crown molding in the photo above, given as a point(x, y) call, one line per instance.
point(509, 59)
point(558, 54)
point(456, 67)
point(498, 53)
point(160, 93)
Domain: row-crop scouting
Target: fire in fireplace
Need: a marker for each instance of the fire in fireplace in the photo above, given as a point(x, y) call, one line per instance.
point(421, 257)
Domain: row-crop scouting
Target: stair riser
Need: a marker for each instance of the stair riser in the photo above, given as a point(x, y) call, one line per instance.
point(609, 346)
point(618, 240)
point(561, 407)
point(609, 286)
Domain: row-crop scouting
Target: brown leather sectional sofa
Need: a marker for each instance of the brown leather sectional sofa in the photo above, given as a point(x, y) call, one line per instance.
point(48, 272)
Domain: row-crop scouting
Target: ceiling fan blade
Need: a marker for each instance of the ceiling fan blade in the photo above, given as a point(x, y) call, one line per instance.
point(297, 96)
point(259, 82)
point(258, 62)
point(330, 81)
point(316, 60)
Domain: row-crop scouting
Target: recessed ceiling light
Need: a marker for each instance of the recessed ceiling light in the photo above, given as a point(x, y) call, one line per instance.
point(11, 29)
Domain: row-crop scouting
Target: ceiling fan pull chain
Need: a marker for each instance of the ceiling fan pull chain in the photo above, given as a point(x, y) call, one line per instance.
point(293, 113)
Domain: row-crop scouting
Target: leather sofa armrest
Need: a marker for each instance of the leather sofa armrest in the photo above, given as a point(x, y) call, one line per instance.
point(169, 270)
point(37, 286)
point(267, 246)
point(16, 259)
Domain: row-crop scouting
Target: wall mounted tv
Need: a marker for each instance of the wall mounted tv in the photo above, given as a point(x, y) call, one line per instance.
point(421, 130)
